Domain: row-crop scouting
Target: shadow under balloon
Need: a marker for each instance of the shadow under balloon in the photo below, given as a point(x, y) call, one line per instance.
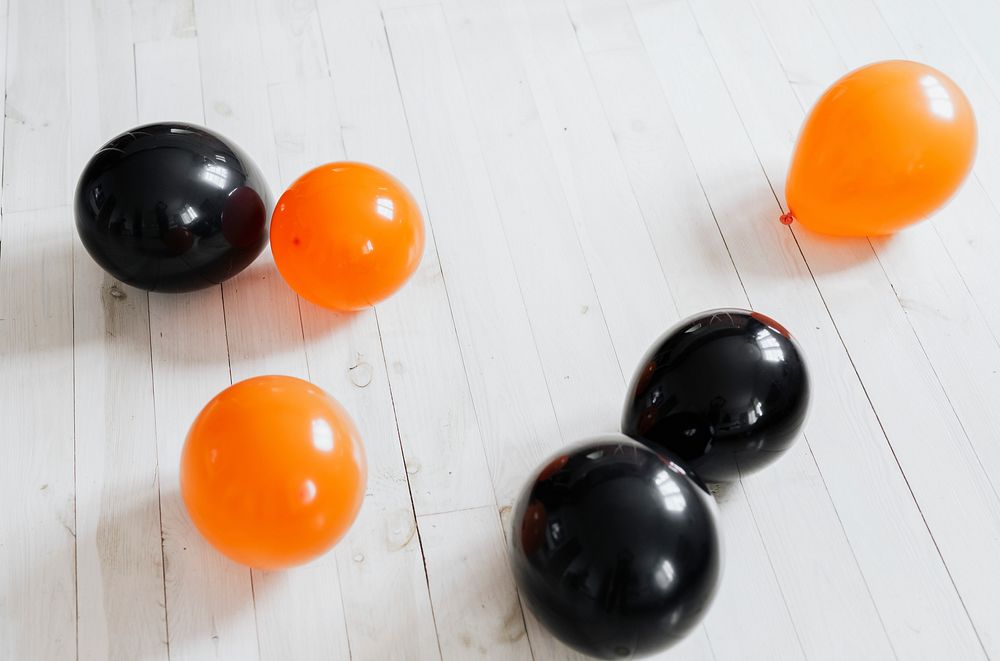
point(251, 316)
point(270, 316)
point(134, 582)
point(255, 315)
point(750, 220)
point(210, 600)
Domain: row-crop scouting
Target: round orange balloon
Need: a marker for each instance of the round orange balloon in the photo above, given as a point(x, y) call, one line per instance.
point(273, 472)
point(347, 235)
point(884, 147)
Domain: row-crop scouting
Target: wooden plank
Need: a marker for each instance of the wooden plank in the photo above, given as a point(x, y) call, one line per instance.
point(386, 597)
point(946, 309)
point(119, 557)
point(476, 577)
point(36, 121)
point(484, 37)
point(970, 21)
point(291, 41)
point(681, 225)
point(438, 426)
point(569, 325)
point(210, 607)
point(385, 591)
point(947, 38)
point(153, 20)
point(38, 606)
point(791, 500)
point(502, 363)
point(860, 34)
point(939, 323)
point(264, 328)
point(4, 9)
point(375, 129)
point(566, 152)
point(384, 586)
point(486, 300)
point(235, 94)
point(750, 613)
point(37, 547)
point(307, 134)
point(370, 84)
point(119, 561)
point(169, 81)
point(555, 132)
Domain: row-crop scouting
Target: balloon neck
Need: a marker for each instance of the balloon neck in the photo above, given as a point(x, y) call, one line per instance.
point(787, 219)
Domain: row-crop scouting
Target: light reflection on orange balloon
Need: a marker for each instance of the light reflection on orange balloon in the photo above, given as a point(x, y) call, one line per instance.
point(884, 147)
point(273, 472)
point(347, 235)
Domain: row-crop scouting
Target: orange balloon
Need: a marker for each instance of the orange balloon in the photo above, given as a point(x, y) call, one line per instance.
point(884, 147)
point(347, 235)
point(273, 472)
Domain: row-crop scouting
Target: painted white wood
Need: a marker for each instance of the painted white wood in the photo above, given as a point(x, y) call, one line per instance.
point(563, 152)
point(38, 606)
point(153, 20)
point(36, 118)
point(262, 319)
point(119, 555)
point(751, 613)
point(291, 40)
point(438, 423)
point(570, 329)
point(119, 559)
point(210, 603)
point(384, 587)
point(683, 229)
point(946, 322)
point(37, 534)
point(4, 15)
point(930, 37)
point(477, 578)
point(860, 34)
point(513, 187)
point(791, 498)
point(264, 329)
point(528, 66)
point(460, 202)
point(968, 226)
point(479, 25)
point(169, 82)
point(376, 129)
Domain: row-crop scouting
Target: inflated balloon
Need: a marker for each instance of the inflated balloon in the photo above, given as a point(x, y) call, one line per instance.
point(884, 147)
point(616, 548)
point(172, 207)
point(726, 391)
point(273, 472)
point(347, 235)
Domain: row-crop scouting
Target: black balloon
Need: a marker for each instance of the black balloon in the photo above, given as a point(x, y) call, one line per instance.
point(172, 207)
point(726, 391)
point(615, 548)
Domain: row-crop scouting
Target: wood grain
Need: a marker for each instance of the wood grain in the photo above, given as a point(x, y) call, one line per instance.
point(590, 171)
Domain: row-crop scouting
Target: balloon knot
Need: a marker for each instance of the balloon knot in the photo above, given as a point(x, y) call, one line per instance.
point(787, 219)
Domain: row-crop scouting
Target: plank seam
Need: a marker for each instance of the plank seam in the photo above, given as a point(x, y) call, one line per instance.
point(878, 260)
point(819, 291)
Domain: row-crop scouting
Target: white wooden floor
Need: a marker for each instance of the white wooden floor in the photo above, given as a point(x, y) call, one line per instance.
point(591, 170)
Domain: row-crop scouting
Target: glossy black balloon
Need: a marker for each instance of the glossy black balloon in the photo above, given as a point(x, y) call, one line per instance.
point(726, 391)
point(616, 548)
point(172, 207)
